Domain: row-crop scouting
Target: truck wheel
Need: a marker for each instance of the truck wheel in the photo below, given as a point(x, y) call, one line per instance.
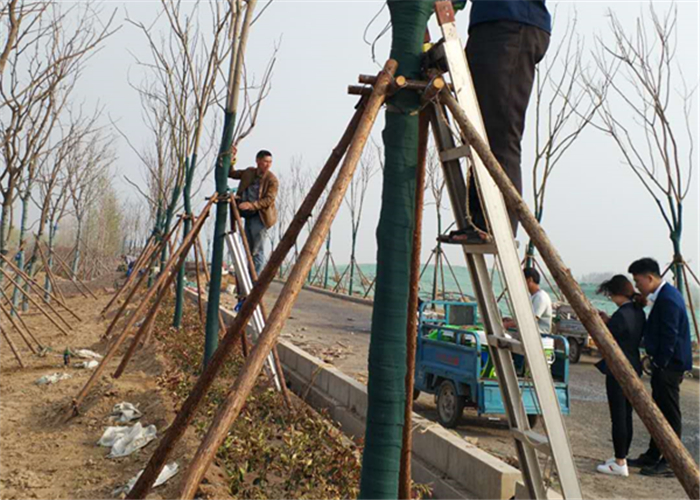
point(449, 404)
point(416, 393)
point(532, 420)
point(574, 350)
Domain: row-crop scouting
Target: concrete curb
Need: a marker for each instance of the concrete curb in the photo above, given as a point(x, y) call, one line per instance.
point(453, 467)
point(329, 293)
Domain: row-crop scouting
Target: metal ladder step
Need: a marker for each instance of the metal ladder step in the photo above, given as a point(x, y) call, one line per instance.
point(509, 344)
point(533, 439)
point(484, 249)
point(455, 154)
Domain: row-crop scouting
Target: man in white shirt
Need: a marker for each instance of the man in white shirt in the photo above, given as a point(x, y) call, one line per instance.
point(541, 303)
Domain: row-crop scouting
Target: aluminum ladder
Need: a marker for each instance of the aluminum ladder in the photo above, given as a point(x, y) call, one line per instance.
point(450, 53)
point(240, 264)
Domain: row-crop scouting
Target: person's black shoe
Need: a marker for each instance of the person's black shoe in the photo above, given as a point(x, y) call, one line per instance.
point(659, 470)
point(643, 460)
point(466, 237)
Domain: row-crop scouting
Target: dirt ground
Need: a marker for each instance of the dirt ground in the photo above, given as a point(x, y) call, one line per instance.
point(42, 455)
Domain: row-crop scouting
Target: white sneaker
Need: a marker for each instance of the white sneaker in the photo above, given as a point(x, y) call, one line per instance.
point(612, 469)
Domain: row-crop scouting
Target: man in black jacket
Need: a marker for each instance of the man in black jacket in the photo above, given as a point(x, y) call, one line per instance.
point(667, 342)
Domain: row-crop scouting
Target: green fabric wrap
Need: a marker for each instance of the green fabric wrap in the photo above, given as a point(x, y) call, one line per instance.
point(211, 331)
point(387, 352)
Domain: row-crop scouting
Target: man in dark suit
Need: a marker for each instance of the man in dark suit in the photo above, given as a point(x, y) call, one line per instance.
point(667, 342)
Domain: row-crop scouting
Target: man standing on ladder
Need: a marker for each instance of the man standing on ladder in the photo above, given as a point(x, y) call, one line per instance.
point(256, 197)
point(507, 38)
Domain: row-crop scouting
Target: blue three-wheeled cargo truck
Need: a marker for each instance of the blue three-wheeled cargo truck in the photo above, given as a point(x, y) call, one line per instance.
point(453, 363)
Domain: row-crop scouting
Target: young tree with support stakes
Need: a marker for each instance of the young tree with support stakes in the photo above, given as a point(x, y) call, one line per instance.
point(387, 351)
point(355, 201)
point(242, 19)
point(639, 69)
point(52, 181)
point(40, 60)
point(188, 67)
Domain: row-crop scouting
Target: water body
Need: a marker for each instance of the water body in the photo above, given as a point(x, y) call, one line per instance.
point(461, 274)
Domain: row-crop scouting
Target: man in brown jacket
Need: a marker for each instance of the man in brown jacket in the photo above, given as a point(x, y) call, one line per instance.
point(256, 196)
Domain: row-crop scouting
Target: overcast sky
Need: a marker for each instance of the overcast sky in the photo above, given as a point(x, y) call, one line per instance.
point(598, 213)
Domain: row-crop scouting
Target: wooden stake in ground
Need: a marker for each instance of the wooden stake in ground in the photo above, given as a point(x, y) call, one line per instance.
point(179, 426)
point(222, 325)
point(237, 223)
point(19, 330)
point(35, 303)
point(21, 320)
point(12, 347)
point(197, 263)
point(97, 373)
point(49, 273)
point(671, 447)
point(73, 278)
point(232, 405)
point(412, 323)
point(39, 290)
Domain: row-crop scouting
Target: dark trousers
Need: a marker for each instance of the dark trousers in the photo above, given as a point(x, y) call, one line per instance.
point(665, 390)
point(502, 57)
point(621, 417)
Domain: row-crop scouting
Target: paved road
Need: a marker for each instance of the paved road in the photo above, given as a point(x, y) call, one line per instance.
point(338, 332)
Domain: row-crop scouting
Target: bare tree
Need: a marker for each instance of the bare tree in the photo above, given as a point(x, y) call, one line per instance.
point(563, 109)
point(355, 201)
point(640, 80)
point(52, 181)
point(87, 166)
point(42, 58)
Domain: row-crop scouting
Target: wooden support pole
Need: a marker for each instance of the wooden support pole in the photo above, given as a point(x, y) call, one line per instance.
point(232, 405)
point(39, 290)
point(671, 447)
point(19, 330)
point(76, 281)
point(179, 426)
point(35, 303)
point(412, 323)
point(222, 324)
point(12, 347)
point(181, 255)
point(97, 373)
point(237, 223)
point(21, 320)
point(49, 273)
point(197, 261)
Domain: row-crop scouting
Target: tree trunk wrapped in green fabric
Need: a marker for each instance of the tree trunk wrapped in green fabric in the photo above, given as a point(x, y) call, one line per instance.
point(387, 352)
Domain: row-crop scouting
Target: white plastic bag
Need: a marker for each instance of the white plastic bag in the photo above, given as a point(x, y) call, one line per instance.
point(168, 471)
point(52, 379)
point(126, 440)
point(86, 365)
point(87, 354)
point(125, 412)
